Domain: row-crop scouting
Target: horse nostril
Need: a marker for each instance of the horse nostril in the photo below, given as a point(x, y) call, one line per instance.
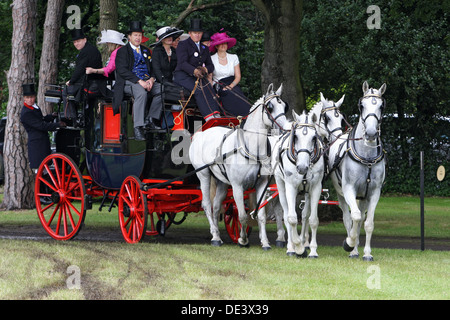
point(302, 170)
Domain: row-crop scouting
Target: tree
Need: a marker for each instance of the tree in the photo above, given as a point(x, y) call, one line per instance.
point(282, 48)
point(108, 19)
point(19, 191)
point(48, 70)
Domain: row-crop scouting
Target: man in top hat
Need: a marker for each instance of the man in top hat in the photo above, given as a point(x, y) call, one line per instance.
point(37, 127)
point(194, 62)
point(89, 56)
point(133, 76)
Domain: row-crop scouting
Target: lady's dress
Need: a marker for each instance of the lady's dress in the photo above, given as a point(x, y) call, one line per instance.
point(233, 101)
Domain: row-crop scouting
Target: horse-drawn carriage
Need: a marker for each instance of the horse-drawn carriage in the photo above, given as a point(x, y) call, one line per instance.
point(102, 160)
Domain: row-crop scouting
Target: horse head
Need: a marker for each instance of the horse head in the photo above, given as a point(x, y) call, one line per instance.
point(303, 145)
point(329, 118)
point(371, 107)
point(275, 108)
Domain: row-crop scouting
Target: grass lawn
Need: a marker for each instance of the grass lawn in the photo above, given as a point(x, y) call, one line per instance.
point(156, 270)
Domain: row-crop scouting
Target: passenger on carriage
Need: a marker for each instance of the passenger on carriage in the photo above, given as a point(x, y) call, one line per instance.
point(114, 41)
point(206, 38)
point(133, 76)
point(89, 56)
point(194, 64)
point(164, 62)
point(37, 127)
point(227, 75)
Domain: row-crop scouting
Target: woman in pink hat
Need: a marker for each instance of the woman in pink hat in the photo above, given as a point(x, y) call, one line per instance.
point(227, 75)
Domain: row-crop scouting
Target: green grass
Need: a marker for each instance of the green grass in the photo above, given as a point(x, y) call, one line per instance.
point(161, 269)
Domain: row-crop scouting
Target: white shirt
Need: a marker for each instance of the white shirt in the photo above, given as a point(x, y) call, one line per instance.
point(223, 71)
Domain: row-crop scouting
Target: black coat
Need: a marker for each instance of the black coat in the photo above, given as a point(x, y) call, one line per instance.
point(37, 127)
point(124, 67)
point(89, 56)
point(189, 58)
point(161, 66)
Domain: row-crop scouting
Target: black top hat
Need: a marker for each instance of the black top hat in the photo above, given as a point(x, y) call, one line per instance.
point(28, 89)
point(135, 26)
point(77, 34)
point(206, 36)
point(196, 25)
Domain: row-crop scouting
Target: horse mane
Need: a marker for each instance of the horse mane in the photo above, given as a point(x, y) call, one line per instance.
point(316, 109)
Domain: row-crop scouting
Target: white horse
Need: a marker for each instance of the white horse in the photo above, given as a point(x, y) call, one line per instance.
point(298, 166)
point(358, 170)
point(238, 158)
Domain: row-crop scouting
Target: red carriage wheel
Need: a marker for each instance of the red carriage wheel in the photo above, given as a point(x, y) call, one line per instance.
point(133, 210)
point(60, 196)
point(232, 223)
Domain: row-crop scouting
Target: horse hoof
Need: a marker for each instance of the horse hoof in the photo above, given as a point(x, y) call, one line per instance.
point(216, 243)
point(266, 248)
point(354, 256)
point(347, 247)
point(244, 245)
point(280, 244)
point(368, 258)
point(313, 257)
point(303, 255)
point(290, 254)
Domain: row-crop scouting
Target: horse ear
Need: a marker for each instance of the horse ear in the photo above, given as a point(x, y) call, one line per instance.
point(338, 104)
point(382, 89)
point(280, 90)
point(269, 89)
point(365, 87)
point(322, 98)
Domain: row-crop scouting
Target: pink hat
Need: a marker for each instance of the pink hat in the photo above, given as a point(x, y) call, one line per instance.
point(219, 38)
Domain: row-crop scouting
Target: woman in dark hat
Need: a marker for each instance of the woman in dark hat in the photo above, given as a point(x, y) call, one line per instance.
point(164, 62)
point(194, 62)
point(37, 127)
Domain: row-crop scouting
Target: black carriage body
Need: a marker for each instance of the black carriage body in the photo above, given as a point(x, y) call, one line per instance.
point(111, 153)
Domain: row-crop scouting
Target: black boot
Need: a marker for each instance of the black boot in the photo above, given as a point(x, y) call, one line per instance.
point(150, 125)
point(139, 134)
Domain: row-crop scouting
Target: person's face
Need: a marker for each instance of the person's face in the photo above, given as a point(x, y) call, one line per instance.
point(222, 47)
point(29, 100)
point(80, 43)
point(135, 38)
point(168, 41)
point(175, 42)
point(196, 36)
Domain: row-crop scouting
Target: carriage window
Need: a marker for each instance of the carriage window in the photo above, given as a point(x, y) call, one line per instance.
point(111, 125)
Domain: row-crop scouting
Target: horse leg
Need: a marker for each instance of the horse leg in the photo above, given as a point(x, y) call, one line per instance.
point(281, 240)
point(262, 218)
point(314, 196)
point(282, 196)
point(304, 233)
point(205, 186)
point(369, 225)
point(220, 194)
point(238, 195)
point(291, 195)
point(350, 198)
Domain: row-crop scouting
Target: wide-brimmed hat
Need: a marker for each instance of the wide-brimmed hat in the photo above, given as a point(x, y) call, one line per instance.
point(219, 38)
point(111, 36)
point(28, 89)
point(135, 26)
point(77, 34)
point(196, 25)
point(165, 32)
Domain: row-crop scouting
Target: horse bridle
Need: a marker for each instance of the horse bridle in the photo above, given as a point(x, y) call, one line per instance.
point(325, 119)
point(374, 101)
point(267, 101)
point(293, 154)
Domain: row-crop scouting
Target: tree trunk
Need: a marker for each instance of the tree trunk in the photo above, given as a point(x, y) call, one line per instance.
point(108, 20)
point(282, 49)
point(19, 180)
point(48, 70)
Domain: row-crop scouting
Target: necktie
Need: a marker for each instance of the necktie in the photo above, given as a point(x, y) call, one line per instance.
point(198, 46)
point(137, 50)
